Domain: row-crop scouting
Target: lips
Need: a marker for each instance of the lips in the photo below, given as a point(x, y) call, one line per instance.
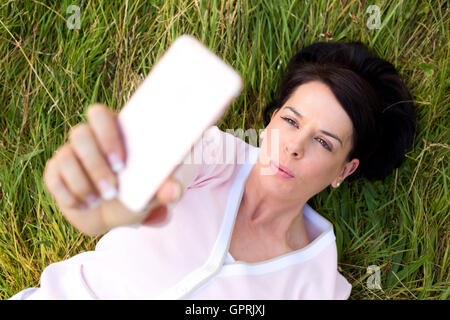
point(283, 168)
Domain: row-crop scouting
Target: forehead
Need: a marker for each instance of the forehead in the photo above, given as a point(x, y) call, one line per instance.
point(316, 102)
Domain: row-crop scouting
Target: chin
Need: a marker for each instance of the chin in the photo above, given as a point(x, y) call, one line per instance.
point(277, 185)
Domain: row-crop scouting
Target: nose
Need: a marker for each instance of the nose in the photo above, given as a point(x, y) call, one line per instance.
point(295, 147)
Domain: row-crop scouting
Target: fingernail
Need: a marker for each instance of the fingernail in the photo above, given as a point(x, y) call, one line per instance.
point(115, 162)
point(107, 190)
point(93, 201)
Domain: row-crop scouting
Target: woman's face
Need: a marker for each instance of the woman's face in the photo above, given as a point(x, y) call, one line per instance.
point(311, 135)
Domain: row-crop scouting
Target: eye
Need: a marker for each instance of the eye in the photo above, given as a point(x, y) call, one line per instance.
point(290, 121)
point(324, 144)
point(294, 124)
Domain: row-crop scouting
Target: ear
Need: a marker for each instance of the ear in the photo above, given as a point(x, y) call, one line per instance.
point(348, 169)
point(274, 113)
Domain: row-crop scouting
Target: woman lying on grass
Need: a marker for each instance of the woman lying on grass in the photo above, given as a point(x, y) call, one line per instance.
point(235, 230)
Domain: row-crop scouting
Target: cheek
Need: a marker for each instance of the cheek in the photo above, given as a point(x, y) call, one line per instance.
point(315, 167)
point(269, 150)
point(317, 170)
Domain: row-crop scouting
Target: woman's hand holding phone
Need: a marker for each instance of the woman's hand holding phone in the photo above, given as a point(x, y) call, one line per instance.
point(81, 178)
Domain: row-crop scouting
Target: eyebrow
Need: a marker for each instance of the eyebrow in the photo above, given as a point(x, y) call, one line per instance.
point(299, 115)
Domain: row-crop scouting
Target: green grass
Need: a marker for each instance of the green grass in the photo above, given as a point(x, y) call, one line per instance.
point(50, 74)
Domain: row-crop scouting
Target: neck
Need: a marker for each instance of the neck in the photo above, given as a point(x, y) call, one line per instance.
point(271, 214)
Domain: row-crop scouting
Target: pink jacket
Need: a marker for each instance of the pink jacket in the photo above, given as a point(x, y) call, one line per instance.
point(188, 257)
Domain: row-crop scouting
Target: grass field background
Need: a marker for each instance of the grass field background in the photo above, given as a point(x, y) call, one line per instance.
point(50, 74)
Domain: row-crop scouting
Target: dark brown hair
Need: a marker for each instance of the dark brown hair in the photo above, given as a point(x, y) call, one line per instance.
point(371, 92)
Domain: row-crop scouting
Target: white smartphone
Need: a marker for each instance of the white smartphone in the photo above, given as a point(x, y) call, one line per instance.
point(187, 91)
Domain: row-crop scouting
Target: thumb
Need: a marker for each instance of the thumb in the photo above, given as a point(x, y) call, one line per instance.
point(170, 191)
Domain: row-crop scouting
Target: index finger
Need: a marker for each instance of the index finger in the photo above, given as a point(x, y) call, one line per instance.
point(105, 126)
